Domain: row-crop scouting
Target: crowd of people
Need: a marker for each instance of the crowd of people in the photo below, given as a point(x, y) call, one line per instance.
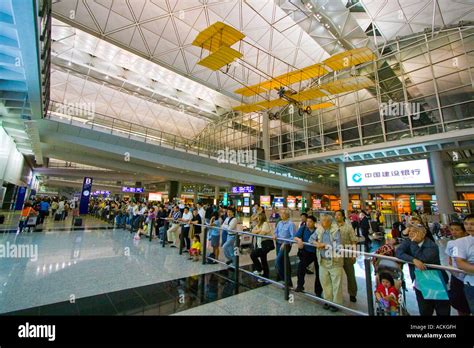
point(58, 208)
point(317, 242)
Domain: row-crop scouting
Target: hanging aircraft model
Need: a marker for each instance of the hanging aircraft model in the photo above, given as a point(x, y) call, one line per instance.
point(218, 39)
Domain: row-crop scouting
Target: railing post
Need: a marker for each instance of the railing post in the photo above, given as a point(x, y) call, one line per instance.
point(181, 240)
point(286, 270)
point(204, 246)
point(368, 285)
point(146, 134)
point(165, 233)
point(237, 262)
point(151, 229)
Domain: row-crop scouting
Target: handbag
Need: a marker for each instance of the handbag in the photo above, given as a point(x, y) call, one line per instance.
point(431, 284)
point(268, 244)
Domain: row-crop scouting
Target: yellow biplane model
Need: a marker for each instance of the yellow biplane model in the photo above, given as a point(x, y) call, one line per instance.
point(218, 39)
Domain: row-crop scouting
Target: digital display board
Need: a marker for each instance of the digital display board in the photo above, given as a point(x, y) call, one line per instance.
point(265, 201)
point(278, 202)
point(396, 173)
point(242, 189)
point(96, 193)
point(133, 189)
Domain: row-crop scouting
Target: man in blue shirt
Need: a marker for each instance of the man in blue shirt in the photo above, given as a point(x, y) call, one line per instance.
point(44, 209)
point(307, 255)
point(285, 229)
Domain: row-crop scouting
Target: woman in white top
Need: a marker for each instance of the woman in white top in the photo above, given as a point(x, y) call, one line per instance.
point(264, 246)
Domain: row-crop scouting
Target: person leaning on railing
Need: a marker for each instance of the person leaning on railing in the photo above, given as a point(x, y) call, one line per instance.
point(264, 246)
point(285, 229)
point(349, 241)
point(457, 297)
point(465, 259)
point(307, 255)
point(229, 225)
point(419, 249)
point(172, 233)
point(327, 239)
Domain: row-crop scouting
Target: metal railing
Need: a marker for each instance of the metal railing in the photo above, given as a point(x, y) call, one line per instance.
point(286, 285)
point(95, 121)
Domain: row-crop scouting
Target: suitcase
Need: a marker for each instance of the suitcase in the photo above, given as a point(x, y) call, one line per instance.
point(2, 219)
point(77, 221)
point(31, 222)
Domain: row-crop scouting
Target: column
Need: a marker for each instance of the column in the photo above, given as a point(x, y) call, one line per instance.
point(442, 179)
point(284, 194)
point(364, 195)
point(266, 135)
point(173, 190)
point(343, 191)
point(216, 194)
point(267, 191)
point(308, 202)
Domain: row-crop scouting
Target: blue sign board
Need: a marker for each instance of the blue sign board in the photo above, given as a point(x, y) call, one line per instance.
point(242, 189)
point(85, 196)
point(133, 189)
point(20, 198)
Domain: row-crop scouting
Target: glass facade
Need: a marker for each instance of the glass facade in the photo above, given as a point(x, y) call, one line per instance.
point(423, 85)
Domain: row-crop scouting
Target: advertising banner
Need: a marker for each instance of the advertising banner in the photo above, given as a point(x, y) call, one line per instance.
point(396, 173)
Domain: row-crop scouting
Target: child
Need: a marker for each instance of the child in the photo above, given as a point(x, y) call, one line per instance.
point(195, 248)
point(386, 294)
point(213, 235)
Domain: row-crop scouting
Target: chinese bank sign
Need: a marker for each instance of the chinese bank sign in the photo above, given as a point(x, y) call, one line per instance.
point(397, 173)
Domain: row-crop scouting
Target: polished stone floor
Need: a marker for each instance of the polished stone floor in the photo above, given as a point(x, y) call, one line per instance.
point(11, 223)
point(83, 264)
point(266, 300)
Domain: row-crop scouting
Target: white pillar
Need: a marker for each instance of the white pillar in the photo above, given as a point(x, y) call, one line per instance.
point(216, 194)
point(441, 185)
point(284, 193)
point(343, 191)
point(307, 198)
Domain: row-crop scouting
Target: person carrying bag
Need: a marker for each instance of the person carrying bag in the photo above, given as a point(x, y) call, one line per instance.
point(263, 247)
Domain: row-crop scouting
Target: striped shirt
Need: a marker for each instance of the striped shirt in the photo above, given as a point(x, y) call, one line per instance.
point(176, 216)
